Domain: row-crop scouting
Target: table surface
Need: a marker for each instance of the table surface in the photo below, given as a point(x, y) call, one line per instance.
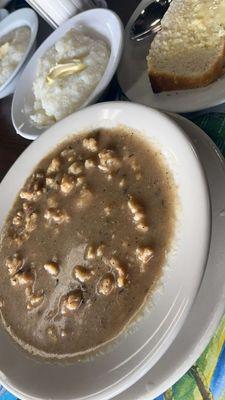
point(11, 144)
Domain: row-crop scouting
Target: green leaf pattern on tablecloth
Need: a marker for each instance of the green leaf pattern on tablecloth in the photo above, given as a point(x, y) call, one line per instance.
point(214, 125)
point(206, 379)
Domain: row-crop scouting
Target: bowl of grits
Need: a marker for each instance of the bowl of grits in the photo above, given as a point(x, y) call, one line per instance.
point(70, 70)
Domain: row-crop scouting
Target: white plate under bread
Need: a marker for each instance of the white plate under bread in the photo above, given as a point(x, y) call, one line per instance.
point(134, 81)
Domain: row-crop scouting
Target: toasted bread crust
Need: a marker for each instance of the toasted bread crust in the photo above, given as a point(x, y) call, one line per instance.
point(162, 82)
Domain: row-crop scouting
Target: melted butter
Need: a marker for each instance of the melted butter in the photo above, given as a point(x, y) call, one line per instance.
point(62, 70)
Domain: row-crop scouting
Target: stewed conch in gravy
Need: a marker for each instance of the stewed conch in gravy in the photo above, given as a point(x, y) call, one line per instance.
point(85, 242)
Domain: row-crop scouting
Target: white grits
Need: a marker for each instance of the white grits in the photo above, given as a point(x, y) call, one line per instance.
point(66, 94)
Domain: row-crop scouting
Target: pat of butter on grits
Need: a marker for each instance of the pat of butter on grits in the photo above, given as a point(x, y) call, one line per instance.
point(60, 86)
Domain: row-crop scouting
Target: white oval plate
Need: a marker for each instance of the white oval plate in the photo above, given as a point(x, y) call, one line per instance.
point(22, 17)
point(102, 23)
point(209, 305)
point(132, 355)
point(134, 81)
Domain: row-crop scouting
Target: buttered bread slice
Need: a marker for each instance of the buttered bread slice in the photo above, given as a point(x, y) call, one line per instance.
point(189, 51)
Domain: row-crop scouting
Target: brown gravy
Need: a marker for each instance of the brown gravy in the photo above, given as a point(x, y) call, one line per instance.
point(85, 242)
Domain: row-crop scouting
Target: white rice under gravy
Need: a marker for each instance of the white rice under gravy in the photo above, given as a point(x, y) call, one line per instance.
point(12, 48)
point(66, 94)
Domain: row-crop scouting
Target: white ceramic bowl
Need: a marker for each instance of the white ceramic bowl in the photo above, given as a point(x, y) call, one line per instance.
point(133, 354)
point(102, 23)
point(22, 17)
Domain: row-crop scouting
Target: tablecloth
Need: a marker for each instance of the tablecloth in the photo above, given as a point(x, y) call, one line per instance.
point(206, 379)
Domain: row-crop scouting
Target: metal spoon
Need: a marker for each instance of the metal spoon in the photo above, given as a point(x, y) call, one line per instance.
point(149, 20)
